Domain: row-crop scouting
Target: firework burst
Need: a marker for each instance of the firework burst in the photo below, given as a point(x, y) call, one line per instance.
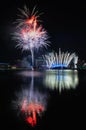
point(31, 38)
point(29, 34)
point(25, 17)
point(61, 59)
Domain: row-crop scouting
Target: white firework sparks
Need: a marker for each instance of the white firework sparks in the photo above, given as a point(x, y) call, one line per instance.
point(30, 35)
point(60, 60)
point(29, 39)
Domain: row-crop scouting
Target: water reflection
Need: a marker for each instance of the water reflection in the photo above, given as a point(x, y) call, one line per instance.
point(30, 102)
point(61, 79)
point(29, 73)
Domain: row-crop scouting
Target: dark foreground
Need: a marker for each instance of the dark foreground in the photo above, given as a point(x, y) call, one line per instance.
point(65, 108)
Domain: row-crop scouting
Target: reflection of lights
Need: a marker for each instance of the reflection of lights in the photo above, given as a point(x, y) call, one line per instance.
point(30, 103)
point(30, 73)
point(61, 79)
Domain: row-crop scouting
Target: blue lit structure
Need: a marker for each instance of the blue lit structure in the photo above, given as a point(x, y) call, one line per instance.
point(61, 60)
point(58, 66)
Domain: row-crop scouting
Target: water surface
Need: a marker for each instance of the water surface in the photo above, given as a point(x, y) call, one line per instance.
point(61, 93)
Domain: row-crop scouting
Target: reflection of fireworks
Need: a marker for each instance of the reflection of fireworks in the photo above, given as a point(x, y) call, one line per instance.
point(31, 109)
point(29, 73)
point(30, 103)
point(61, 79)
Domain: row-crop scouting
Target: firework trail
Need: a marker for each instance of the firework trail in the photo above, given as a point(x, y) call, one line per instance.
point(29, 34)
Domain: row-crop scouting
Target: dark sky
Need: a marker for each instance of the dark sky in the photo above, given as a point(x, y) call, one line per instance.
point(64, 22)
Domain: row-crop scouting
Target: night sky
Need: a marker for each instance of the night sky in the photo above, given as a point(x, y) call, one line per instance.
point(64, 22)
